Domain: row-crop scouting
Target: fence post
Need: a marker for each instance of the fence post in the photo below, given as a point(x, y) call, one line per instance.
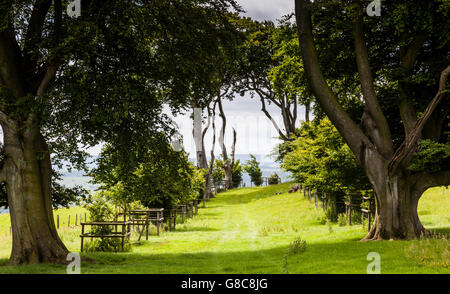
point(76, 219)
point(57, 221)
point(85, 217)
point(68, 223)
point(315, 199)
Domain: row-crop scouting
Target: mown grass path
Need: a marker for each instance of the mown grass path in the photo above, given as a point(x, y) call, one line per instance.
point(249, 230)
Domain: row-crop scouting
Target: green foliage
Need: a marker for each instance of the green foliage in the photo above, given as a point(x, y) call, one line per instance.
point(321, 161)
point(331, 214)
point(297, 246)
point(218, 172)
point(273, 179)
point(431, 157)
point(251, 167)
point(102, 210)
point(342, 219)
point(156, 176)
point(237, 173)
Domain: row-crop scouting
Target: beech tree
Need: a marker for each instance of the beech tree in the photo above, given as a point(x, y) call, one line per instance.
point(101, 77)
point(270, 67)
point(401, 62)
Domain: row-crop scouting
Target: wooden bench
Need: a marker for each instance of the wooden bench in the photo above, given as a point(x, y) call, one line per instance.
point(124, 233)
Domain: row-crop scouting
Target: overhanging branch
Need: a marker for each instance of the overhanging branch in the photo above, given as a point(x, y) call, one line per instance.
point(352, 134)
point(380, 132)
point(411, 139)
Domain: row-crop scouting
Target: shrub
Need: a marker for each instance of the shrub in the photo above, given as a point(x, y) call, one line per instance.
point(331, 214)
point(101, 210)
point(251, 167)
point(298, 246)
point(273, 179)
point(237, 174)
point(319, 159)
point(342, 219)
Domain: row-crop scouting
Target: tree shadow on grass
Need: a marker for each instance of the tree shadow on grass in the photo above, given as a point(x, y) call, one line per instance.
point(347, 256)
point(441, 230)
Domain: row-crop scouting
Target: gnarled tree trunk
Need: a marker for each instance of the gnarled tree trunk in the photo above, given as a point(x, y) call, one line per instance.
point(397, 197)
point(27, 173)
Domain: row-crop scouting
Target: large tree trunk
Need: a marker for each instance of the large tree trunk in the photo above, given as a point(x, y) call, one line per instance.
point(27, 172)
point(396, 213)
point(397, 197)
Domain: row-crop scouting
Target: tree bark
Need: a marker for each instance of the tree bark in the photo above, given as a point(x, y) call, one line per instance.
point(202, 163)
point(307, 110)
point(27, 172)
point(227, 162)
point(397, 197)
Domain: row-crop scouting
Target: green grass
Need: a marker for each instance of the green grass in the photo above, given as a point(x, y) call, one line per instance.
point(249, 230)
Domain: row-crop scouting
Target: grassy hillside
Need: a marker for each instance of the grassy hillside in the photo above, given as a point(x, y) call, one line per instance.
point(249, 230)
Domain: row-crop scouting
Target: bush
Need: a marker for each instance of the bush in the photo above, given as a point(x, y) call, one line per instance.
point(273, 179)
point(298, 246)
point(319, 159)
point(331, 214)
point(237, 174)
point(252, 169)
point(218, 174)
point(107, 245)
point(342, 219)
point(101, 210)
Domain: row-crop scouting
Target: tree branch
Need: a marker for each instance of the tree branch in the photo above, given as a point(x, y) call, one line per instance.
point(411, 139)
point(408, 56)
point(379, 131)
point(424, 181)
point(264, 110)
point(34, 32)
point(349, 130)
point(47, 79)
point(10, 63)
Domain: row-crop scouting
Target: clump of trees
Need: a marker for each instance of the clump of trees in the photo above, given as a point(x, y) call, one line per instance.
point(252, 169)
point(321, 161)
point(157, 177)
point(218, 174)
point(100, 78)
point(273, 179)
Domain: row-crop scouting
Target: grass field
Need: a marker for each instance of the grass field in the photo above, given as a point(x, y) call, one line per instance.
point(249, 230)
